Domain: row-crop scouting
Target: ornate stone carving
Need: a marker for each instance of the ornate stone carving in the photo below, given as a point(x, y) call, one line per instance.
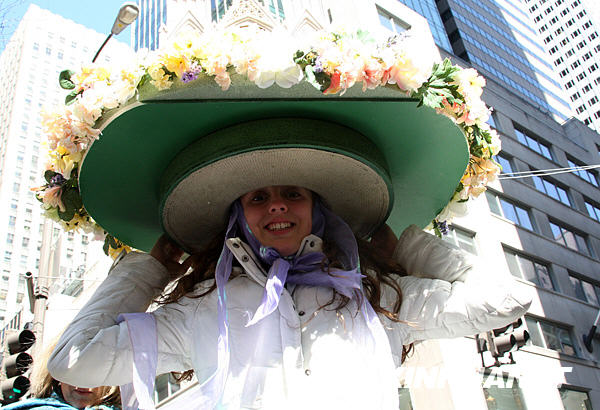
point(244, 12)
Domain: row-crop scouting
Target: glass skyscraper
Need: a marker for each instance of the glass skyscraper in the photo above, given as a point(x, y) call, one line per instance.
point(428, 9)
point(496, 37)
point(153, 14)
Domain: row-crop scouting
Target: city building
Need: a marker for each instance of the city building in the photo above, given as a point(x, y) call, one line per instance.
point(539, 223)
point(151, 19)
point(43, 45)
point(496, 37)
point(570, 32)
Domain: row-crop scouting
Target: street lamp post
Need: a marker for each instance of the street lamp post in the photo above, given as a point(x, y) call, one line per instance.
point(127, 14)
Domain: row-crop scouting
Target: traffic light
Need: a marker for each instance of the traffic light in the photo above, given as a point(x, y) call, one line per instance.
point(15, 365)
point(508, 338)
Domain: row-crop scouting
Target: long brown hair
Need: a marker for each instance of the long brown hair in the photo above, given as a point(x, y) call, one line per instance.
point(377, 269)
point(43, 384)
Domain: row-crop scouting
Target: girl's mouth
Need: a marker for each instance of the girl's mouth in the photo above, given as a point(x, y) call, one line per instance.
point(278, 226)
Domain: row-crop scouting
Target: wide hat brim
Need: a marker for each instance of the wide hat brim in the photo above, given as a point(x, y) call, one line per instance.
point(401, 164)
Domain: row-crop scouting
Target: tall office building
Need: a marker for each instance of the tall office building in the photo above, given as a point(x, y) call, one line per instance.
point(152, 16)
point(428, 9)
point(496, 37)
point(43, 45)
point(571, 36)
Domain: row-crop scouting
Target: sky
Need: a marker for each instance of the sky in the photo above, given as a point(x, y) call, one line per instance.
point(98, 15)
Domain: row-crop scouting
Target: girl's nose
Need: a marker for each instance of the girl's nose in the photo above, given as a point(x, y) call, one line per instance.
point(277, 206)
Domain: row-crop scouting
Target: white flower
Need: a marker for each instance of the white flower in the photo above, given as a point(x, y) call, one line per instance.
point(88, 106)
point(411, 65)
point(276, 62)
point(455, 208)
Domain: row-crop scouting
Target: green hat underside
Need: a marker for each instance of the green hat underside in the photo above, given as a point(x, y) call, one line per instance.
point(122, 176)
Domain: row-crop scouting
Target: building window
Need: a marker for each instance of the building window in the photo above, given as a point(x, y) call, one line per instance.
point(534, 143)
point(502, 394)
point(552, 189)
point(7, 256)
point(509, 210)
point(461, 238)
point(593, 209)
point(524, 267)
point(505, 163)
point(584, 173)
point(10, 238)
point(12, 220)
point(550, 335)
point(568, 238)
point(391, 22)
point(585, 290)
point(575, 399)
point(165, 386)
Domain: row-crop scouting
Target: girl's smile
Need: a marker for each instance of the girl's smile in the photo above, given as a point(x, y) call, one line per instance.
point(279, 216)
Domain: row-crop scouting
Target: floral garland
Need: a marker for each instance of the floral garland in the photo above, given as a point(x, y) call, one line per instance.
point(333, 63)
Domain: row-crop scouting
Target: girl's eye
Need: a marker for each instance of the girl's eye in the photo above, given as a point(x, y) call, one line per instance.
point(258, 197)
point(293, 194)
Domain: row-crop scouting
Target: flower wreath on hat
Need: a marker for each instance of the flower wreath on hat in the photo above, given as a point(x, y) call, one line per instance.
point(333, 63)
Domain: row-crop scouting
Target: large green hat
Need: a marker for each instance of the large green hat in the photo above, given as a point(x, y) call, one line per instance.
point(173, 160)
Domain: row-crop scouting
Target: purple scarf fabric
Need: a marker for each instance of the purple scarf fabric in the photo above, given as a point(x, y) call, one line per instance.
point(301, 270)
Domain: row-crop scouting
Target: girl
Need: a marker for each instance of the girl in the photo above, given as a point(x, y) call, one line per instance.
point(274, 193)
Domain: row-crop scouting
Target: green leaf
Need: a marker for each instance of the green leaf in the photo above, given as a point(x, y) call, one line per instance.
point(145, 78)
point(323, 79)
point(67, 215)
point(71, 96)
point(48, 175)
point(364, 36)
point(71, 199)
point(113, 242)
point(311, 78)
point(436, 229)
point(298, 57)
point(64, 79)
point(105, 246)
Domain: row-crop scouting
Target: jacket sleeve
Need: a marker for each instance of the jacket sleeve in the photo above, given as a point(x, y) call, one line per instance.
point(95, 349)
point(448, 293)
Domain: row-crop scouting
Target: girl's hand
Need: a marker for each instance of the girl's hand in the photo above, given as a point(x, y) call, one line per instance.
point(385, 241)
point(169, 255)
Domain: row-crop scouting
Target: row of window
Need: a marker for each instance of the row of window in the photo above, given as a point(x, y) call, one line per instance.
point(527, 268)
point(521, 216)
point(500, 392)
point(543, 148)
point(543, 333)
point(530, 269)
point(557, 190)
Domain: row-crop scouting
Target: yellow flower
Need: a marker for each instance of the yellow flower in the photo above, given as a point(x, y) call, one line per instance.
point(160, 79)
point(91, 74)
point(114, 253)
point(63, 161)
point(176, 63)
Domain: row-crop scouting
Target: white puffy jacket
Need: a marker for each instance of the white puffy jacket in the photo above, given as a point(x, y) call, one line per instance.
point(300, 356)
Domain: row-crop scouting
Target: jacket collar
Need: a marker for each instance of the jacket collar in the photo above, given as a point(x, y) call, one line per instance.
point(251, 263)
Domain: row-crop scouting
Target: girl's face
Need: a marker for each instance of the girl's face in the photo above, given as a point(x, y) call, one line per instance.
point(279, 216)
point(81, 397)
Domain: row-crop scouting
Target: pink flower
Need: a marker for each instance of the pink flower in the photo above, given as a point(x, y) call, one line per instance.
point(372, 74)
point(334, 86)
point(52, 198)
